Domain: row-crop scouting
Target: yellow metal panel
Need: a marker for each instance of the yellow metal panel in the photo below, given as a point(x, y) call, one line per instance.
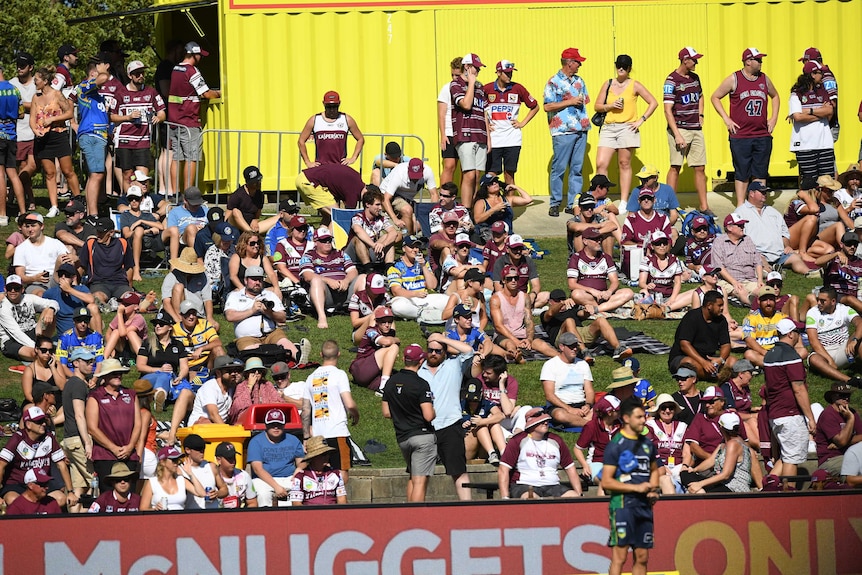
point(537, 39)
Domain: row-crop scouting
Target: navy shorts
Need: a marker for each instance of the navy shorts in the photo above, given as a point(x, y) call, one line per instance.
point(450, 152)
point(504, 158)
point(750, 158)
point(631, 527)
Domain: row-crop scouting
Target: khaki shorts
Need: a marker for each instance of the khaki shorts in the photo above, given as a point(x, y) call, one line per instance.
point(472, 155)
point(619, 136)
point(78, 462)
point(585, 336)
point(272, 337)
point(316, 196)
point(695, 148)
point(750, 287)
point(398, 204)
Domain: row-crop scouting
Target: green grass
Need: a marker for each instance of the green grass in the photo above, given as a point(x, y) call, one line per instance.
point(373, 425)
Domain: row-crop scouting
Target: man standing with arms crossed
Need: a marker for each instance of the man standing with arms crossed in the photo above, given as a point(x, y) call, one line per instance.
point(565, 101)
point(184, 108)
point(409, 403)
point(683, 109)
point(749, 130)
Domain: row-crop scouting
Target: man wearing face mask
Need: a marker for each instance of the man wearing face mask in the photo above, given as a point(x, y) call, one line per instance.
point(330, 135)
point(136, 110)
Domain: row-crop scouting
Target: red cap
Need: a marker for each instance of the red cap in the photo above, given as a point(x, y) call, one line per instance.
point(415, 169)
point(689, 52)
point(383, 312)
point(699, 222)
point(331, 97)
point(752, 53)
point(509, 270)
point(572, 54)
point(376, 284)
point(297, 222)
point(810, 54)
point(414, 353)
point(499, 227)
point(505, 65)
point(812, 66)
point(472, 60)
point(734, 218)
point(450, 217)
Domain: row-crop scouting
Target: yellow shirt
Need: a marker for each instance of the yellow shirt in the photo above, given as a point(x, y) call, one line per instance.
point(629, 113)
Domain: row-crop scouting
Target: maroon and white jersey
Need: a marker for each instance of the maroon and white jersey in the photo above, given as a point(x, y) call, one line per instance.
point(662, 278)
point(334, 266)
point(330, 139)
point(375, 228)
point(468, 125)
point(638, 227)
point(685, 94)
point(146, 101)
point(111, 91)
point(491, 253)
point(184, 101)
point(503, 107)
point(22, 455)
point(435, 218)
point(748, 100)
point(109, 503)
point(536, 462)
point(361, 303)
point(591, 272)
point(291, 254)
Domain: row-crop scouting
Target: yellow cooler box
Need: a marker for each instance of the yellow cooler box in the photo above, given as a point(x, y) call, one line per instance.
point(215, 433)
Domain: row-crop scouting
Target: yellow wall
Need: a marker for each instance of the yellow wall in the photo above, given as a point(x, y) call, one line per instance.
point(388, 67)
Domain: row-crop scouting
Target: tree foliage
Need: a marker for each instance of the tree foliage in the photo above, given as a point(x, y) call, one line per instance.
point(40, 27)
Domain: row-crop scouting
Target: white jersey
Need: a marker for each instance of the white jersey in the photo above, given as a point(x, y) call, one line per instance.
point(204, 474)
point(832, 328)
point(239, 488)
point(25, 133)
point(445, 97)
point(211, 393)
point(323, 389)
point(257, 325)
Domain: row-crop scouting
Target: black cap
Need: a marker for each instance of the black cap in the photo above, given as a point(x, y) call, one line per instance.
point(215, 215)
point(473, 390)
point(289, 206)
point(586, 200)
point(65, 50)
point(252, 174)
point(603, 181)
point(557, 295)
point(226, 450)
point(162, 317)
point(81, 312)
point(104, 225)
point(24, 59)
point(474, 275)
point(75, 206)
point(808, 183)
point(194, 441)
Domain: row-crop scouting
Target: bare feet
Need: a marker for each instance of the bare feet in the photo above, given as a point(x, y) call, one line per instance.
point(322, 324)
point(136, 274)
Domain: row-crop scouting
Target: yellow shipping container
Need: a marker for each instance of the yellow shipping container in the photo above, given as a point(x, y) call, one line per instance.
point(388, 60)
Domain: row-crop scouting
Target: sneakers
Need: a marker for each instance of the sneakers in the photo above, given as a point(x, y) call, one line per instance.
point(4, 221)
point(19, 369)
point(554, 211)
point(570, 210)
point(304, 350)
point(110, 306)
point(854, 381)
point(53, 212)
point(622, 352)
point(494, 459)
point(588, 357)
point(159, 398)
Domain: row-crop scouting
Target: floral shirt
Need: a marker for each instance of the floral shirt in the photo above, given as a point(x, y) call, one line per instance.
point(572, 118)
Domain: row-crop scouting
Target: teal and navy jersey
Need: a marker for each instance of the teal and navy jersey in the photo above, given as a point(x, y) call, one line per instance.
point(92, 110)
point(633, 459)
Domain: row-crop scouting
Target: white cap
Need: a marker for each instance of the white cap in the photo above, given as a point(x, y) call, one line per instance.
point(786, 326)
point(141, 176)
point(729, 421)
point(774, 276)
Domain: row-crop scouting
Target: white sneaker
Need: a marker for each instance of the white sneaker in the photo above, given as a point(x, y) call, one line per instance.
point(304, 351)
point(4, 221)
point(160, 398)
point(53, 212)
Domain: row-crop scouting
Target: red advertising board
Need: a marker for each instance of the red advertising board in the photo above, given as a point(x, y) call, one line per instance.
point(780, 533)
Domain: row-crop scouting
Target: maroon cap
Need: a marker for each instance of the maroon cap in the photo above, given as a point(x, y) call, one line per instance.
point(451, 217)
point(572, 54)
point(810, 54)
point(331, 97)
point(508, 270)
point(499, 228)
point(274, 416)
point(591, 234)
point(812, 66)
point(734, 218)
point(712, 392)
point(375, 283)
point(689, 52)
point(752, 53)
point(699, 222)
point(297, 222)
point(414, 353)
point(472, 60)
point(415, 169)
point(130, 298)
point(36, 475)
point(383, 312)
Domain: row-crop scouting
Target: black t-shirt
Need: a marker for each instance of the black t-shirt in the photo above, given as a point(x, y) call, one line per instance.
point(248, 205)
point(109, 262)
point(170, 354)
point(406, 392)
point(705, 337)
point(75, 388)
point(552, 325)
point(690, 407)
point(87, 231)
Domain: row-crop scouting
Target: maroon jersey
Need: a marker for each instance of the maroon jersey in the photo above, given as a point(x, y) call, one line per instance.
point(368, 344)
point(184, 102)
point(697, 252)
point(595, 434)
point(108, 503)
point(468, 125)
point(591, 272)
point(829, 424)
point(705, 432)
point(116, 420)
point(147, 101)
point(748, 101)
point(22, 455)
point(343, 182)
point(638, 227)
point(685, 94)
point(23, 506)
point(330, 139)
point(782, 366)
point(844, 277)
point(490, 253)
point(334, 266)
point(291, 254)
point(662, 278)
point(111, 91)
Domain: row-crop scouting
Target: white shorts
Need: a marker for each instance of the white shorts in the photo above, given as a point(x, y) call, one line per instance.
point(791, 433)
point(473, 156)
point(618, 136)
point(838, 353)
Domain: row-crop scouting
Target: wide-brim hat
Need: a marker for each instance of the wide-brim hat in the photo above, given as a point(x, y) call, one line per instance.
point(316, 446)
point(838, 388)
point(852, 172)
point(663, 399)
point(143, 388)
point(112, 365)
point(187, 262)
point(622, 376)
point(120, 470)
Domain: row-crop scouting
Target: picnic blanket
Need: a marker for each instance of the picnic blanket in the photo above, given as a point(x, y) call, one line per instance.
point(638, 341)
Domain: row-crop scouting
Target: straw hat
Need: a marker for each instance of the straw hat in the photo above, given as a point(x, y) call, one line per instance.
point(316, 446)
point(852, 172)
point(663, 399)
point(622, 376)
point(187, 262)
point(110, 366)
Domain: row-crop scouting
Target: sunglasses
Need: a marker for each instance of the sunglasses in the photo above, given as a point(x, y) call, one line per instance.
point(667, 408)
point(450, 224)
point(587, 208)
point(646, 199)
point(710, 401)
point(435, 350)
point(851, 244)
point(253, 243)
point(303, 229)
point(13, 288)
point(701, 229)
point(279, 377)
point(512, 279)
point(46, 349)
point(447, 195)
point(325, 240)
point(661, 243)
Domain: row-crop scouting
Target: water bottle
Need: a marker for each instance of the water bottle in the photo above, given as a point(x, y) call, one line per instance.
point(659, 298)
point(94, 486)
point(163, 503)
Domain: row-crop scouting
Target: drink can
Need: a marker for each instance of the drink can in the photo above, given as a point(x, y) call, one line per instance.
point(164, 503)
point(209, 492)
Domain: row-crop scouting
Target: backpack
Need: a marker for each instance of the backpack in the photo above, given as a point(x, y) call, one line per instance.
point(689, 218)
